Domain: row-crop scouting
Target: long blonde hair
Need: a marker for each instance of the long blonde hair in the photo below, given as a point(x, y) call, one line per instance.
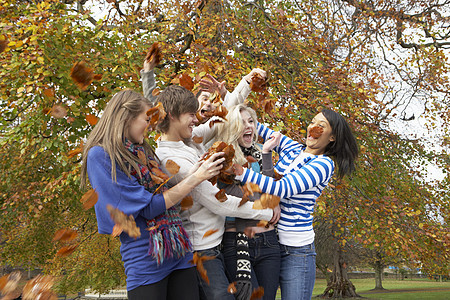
point(109, 133)
point(231, 130)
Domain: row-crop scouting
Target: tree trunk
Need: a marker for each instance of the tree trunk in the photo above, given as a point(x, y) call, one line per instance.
point(339, 286)
point(378, 275)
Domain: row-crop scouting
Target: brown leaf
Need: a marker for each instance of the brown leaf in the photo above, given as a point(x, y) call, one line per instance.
point(198, 261)
point(172, 167)
point(66, 250)
point(81, 74)
point(250, 159)
point(250, 188)
point(258, 84)
point(162, 185)
point(232, 288)
point(262, 223)
point(58, 111)
point(316, 132)
point(238, 169)
point(49, 93)
point(277, 176)
point(74, 152)
point(39, 288)
point(154, 54)
point(117, 230)
point(89, 199)
point(158, 176)
point(142, 157)
point(220, 195)
point(127, 223)
point(186, 81)
point(258, 293)
point(266, 201)
point(187, 203)
point(98, 77)
point(91, 119)
point(65, 235)
point(9, 282)
point(3, 44)
point(215, 121)
point(220, 111)
point(156, 92)
point(197, 139)
point(156, 114)
point(210, 232)
point(257, 205)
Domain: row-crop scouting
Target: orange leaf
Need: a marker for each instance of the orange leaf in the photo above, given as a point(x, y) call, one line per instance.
point(258, 84)
point(238, 169)
point(220, 195)
point(258, 293)
point(316, 132)
point(209, 232)
point(89, 199)
point(197, 139)
point(250, 159)
point(161, 185)
point(98, 77)
point(74, 152)
point(9, 282)
point(277, 176)
point(66, 250)
point(127, 223)
point(232, 288)
point(156, 114)
point(257, 205)
point(49, 93)
point(198, 261)
point(82, 74)
point(156, 92)
point(3, 45)
point(117, 230)
point(186, 81)
point(142, 157)
point(58, 111)
point(65, 235)
point(91, 119)
point(187, 203)
point(39, 288)
point(154, 54)
point(152, 228)
point(220, 111)
point(172, 167)
point(262, 223)
point(215, 121)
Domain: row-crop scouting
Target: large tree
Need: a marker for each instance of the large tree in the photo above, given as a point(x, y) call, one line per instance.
point(367, 60)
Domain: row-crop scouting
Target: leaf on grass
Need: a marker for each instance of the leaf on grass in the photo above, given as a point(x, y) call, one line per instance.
point(9, 282)
point(210, 232)
point(220, 195)
point(186, 81)
point(82, 75)
point(187, 203)
point(117, 230)
point(66, 250)
point(257, 293)
point(89, 199)
point(154, 54)
point(65, 235)
point(198, 261)
point(127, 223)
point(172, 167)
point(258, 84)
point(156, 114)
point(58, 111)
point(316, 132)
point(39, 287)
point(91, 119)
point(197, 139)
point(232, 288)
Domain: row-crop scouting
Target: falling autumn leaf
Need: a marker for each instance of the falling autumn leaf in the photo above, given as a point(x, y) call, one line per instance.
point(127, 223)
point(220, 111)
point(220, 195)
point(75, 151)
point(66, 250)
point(198, 261)
point(232, 288)
point(257, 293)
point(172, 167)
point(215, 121)
point(91, 119)
point(154, 54)
point(316, 132)
point(89, 199)
point(266, 201)
point(117, 230)
point(210, 232)
point(186, 81)
point(156, 92)
point(81, 74)
point(161, 185)
point(65, 235)
point(197, 139)
point(142, 157)
point(238, 169)
point(258, 84)
point(187, 203)
point(9, 282)
point(58, 111)
point(277, 176)
point(250, 159)
point(156, 114)
point(39, 287)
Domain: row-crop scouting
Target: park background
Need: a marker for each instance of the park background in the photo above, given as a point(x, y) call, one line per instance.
point(383, 64)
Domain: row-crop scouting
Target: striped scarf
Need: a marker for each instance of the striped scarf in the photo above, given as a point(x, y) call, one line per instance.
point(168, 239)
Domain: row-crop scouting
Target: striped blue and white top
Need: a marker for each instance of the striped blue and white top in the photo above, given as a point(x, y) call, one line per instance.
point(304, 177)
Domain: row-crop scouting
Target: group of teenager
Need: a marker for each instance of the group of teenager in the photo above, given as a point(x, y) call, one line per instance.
point(159, 263)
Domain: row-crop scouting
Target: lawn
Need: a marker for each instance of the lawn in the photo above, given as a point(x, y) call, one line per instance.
point(407, 289)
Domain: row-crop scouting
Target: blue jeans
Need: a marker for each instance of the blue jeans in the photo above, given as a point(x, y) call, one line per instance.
point(218, 280)
point(264, 257)
point(298, 272)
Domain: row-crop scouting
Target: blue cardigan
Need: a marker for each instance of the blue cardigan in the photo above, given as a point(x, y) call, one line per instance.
point(131, 198)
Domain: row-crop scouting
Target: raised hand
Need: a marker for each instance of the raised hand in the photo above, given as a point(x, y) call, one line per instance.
point(211, 85)
point(272, 142)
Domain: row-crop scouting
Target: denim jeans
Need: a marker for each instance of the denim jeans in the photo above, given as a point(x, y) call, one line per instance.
point(264, 257)
point(218, 280)
point(298, 272)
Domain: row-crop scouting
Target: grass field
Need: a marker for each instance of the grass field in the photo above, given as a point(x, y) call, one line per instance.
point(416, 289)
